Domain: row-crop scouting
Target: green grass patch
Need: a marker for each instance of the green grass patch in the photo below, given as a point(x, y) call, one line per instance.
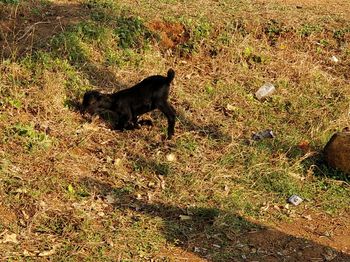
point(31, 138)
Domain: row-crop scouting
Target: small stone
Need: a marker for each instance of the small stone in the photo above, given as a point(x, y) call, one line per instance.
point(308, 217)
point(268, 133)
point(334, 59)
point(184, 217)
point(295, 200)
point(170, 157)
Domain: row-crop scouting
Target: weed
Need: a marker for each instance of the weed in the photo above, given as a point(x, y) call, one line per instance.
point(188, 144)
point(13, 102)
point(103, 11)
point(209, 89)
point(31, 137)
point(162, 169)
point(309, 29)
point(113, 57)
point(70, 44)
point(157, 167)
point(132, 33)
point(198, 32)
point(57, 224)
point(249, 56)
point(274, 28)
point(280, 183)
point(90, 31)
point(340, 34)
point(10, 1)
point(324, 42)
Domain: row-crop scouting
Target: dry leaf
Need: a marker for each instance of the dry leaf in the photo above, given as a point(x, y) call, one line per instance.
point(10, 238)
point(110, 199)
point(49, 252)
point(26, 253)
point(304, 145)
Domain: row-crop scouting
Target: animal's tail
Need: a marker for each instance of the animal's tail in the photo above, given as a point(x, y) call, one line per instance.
point(170, 75)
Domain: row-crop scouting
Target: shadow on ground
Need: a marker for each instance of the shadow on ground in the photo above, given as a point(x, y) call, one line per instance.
point(217, 235)
point(311, 157)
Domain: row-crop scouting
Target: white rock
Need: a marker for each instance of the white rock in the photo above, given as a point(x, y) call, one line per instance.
point(170, 157)
point(334, 59)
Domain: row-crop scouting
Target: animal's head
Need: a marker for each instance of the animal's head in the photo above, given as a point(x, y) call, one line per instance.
point(94, 101)
point(91, 101)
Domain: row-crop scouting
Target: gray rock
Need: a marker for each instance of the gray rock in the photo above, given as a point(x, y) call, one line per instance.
point(337, 151)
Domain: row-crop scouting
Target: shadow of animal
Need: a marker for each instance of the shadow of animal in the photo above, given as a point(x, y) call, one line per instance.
point(211, 233)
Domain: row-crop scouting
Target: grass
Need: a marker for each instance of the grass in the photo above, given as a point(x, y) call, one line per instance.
point(73, 187)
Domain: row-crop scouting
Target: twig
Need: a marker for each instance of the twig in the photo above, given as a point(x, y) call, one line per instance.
point(31, 28)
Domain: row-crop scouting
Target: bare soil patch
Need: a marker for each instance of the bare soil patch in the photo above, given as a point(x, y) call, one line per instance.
point(171, 34)
point(31, 25)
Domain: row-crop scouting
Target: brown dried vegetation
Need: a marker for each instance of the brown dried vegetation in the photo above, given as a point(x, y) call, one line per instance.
point(72, 189)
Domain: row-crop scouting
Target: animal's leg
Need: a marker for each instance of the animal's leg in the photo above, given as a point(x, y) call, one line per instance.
point(170, 114)
point(135, 124)
point(123, 120)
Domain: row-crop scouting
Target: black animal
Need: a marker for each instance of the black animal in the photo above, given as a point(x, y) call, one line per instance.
point(122, 108)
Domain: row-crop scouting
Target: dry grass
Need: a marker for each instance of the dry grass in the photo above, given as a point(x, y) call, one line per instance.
point(71, 188)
